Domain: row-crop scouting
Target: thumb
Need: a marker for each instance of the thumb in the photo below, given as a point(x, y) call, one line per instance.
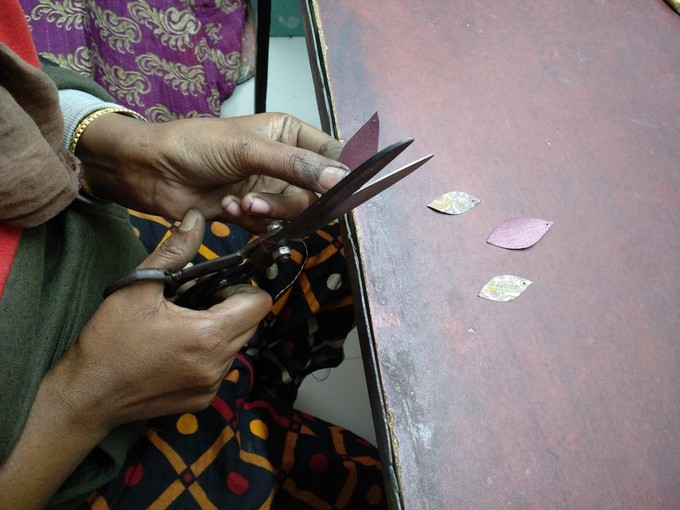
point(181, 247)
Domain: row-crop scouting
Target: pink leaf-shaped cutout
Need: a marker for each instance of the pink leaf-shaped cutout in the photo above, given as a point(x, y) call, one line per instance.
point(363, 145)
point(519, 233)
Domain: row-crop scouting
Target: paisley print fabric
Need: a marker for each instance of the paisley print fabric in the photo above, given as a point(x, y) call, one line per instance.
point(163, 59)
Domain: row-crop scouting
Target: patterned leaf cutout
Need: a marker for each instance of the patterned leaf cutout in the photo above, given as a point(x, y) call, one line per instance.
point(454, 202)
point(362, 145)
point(504, 288)
point(519, 233)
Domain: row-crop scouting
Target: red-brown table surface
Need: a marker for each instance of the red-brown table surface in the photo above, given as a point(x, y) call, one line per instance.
point(569, 111)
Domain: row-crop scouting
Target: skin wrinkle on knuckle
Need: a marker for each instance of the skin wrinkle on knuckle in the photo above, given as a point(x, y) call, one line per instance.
point(201, 376)
point(132, 303)
point(232, 323)
point(259, 183)
point(172, 250)
point(209, 381)
point(206, 332)
point(276, 125)
point(302, 167)
point(146, 314)
point(217, 338)
point(331, 149)
point(290, 129)
point(243, 151)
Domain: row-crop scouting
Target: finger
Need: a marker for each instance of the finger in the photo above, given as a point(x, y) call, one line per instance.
point(280, 206)
point(300, 167)
point(255, 211)
point(181, 247)
point(241, 309)
point(231, 207)
point(308, 137)
point(250, 223)
point(172, 254)
point(233, 213)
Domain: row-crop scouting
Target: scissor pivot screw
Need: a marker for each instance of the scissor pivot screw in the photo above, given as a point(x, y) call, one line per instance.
point(274, 225)
point(282, 254)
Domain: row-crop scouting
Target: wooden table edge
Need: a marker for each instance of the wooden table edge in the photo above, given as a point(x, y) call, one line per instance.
point(317, 52)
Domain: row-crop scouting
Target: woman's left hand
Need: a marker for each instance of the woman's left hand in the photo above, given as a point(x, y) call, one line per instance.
point(246, 170)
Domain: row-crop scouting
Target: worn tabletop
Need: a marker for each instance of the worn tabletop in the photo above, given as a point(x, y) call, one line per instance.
point(567, 111)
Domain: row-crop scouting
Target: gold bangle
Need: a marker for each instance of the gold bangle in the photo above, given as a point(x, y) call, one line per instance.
point(82, 126)
point(80, 129)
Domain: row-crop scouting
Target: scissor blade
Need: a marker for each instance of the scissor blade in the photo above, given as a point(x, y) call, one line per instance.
point(314, 217)
point(365, 194)
point(210, 267)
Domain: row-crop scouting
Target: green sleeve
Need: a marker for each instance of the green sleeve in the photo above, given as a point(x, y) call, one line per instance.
point(67, 79)
point(55, 285)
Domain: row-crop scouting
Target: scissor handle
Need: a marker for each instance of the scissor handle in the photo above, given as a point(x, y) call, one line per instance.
point(174, 279)
point(202, 295)
point(137, 275)
point(212, 266)
point(197, 297)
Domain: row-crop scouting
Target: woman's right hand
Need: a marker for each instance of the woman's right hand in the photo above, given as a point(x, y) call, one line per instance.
point(141, 356)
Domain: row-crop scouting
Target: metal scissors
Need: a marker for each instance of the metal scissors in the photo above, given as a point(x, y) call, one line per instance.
point(274, 245)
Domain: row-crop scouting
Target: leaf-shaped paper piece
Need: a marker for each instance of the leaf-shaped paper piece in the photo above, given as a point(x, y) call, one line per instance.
point(362, 145)
point(454, 202)
point(519, 233)
point(505, 287)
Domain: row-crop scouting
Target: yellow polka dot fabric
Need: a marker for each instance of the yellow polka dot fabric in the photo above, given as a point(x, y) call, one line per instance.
point(187, 424)
point(247, 450)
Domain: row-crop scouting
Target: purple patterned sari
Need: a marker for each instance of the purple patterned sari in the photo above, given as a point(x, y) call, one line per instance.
point(164, 59)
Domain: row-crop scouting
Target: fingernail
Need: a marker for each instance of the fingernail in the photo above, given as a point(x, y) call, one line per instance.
point(189, 221)
point(331, 176)
point(233, 208)
point(258, 206)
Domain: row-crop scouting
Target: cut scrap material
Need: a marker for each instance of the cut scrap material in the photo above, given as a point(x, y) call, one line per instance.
point(504, 288)
point(454, 202)
point(519, 233)
point(362, 145)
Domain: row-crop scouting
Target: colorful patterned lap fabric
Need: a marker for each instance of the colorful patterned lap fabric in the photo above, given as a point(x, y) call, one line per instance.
point(251, 449)
point(164, 59)
point(310, 319)
point(246, 451)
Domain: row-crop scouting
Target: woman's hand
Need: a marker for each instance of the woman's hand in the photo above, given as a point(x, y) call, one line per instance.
point(247, 170)
point(146, 357)
point(151, 357)
point(139, 357)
